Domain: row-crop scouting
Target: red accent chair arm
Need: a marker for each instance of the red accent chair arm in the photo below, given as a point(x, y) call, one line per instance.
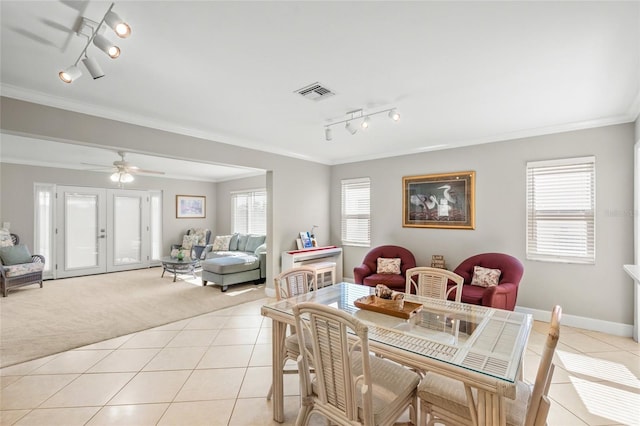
point(502, 296)
point(360, 272)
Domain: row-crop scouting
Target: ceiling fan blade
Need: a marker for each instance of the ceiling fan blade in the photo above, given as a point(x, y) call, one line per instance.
point(154, 172)
point(98, 165)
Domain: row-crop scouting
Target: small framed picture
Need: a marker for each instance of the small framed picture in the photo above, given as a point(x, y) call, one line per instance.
point(191, 206)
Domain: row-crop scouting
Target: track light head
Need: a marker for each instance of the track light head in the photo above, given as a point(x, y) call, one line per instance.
point(117, 24)
point(365, 122)
point(106, 46)
point(70, 74)
point(394, 115)
point(350, 128)
point(327, 133)
point(94, 67)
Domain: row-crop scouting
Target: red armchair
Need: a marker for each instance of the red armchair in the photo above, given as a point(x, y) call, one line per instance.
point(503, 295)
point(367, 272)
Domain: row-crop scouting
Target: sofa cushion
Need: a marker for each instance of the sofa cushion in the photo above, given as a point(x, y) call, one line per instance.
point(14, 255)
point(221, 243)
point(388, 266)
point(231, 263)
point(485, 277)
point(233, 243)
point(242, 242)
point(5, 238)
point(253, 242)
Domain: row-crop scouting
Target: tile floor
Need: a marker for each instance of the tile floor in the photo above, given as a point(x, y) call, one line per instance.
point(214, 369)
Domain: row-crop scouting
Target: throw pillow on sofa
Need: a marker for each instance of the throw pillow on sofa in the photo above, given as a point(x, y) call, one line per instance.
point(388, 266)
point(253, 242)
point(233, 243)
point(485, 277)
point(221, 243)
point(242, 242)
point(15, 255)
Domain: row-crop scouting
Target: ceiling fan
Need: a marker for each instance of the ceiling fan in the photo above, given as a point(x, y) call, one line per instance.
point(123, 171)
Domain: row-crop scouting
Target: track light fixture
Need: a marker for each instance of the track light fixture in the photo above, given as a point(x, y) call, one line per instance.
point(92, 31)
point(327, 134)
point(93, 67)
point(356, 116)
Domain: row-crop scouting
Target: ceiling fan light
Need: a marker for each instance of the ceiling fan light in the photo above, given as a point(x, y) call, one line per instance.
point(115, 177)
point(394, 115)
point(70, 74)
point(94, 67)
point(126, 177)
point(350, 128)
point(106, 46)
point(117, 24)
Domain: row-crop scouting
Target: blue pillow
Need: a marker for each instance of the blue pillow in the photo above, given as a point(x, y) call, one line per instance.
point(254, 242)
point(242, 242)
point(15, 255)
point(233, 242)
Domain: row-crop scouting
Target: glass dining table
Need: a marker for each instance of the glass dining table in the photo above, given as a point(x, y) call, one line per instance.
point(480, 346)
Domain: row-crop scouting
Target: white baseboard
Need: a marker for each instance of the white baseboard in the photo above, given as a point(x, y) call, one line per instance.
point(615, 328)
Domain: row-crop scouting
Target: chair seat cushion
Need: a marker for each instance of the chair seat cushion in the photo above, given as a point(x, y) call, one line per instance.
point(470, 294)
point(395, 282)
point(449, 395)
point(392, 384)
point(23, 269)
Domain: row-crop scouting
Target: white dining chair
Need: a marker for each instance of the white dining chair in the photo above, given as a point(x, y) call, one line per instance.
point(450, 402)
point(351, 386)
point(290, 283)
point(433, 282)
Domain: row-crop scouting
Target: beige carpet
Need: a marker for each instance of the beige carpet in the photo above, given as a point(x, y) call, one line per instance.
point(73, 312)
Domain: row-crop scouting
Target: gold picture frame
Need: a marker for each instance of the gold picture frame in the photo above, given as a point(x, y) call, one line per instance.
point(445, 200)
point(191, 206)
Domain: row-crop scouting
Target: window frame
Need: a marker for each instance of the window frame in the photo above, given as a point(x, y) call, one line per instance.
point(578, 178)
point(251, 194)
point(349, 235)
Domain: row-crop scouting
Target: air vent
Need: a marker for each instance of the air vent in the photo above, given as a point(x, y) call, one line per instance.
point(315, 92)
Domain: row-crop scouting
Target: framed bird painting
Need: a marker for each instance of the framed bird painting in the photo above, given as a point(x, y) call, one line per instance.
point(445, 200)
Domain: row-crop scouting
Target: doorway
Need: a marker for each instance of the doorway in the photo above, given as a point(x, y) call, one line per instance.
point(101, 230)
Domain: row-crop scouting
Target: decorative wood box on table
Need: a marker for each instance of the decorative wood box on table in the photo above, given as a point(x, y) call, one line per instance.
point(397, 308)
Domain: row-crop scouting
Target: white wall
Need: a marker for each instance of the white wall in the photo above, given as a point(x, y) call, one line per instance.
point(298, 190)
point(601, 291)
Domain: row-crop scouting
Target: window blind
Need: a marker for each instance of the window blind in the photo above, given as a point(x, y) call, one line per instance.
point(249, 212)
point(356, 218)
point(561, 210)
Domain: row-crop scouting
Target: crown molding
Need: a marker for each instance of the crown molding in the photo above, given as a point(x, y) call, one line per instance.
point(34, 96)
point(108, 113)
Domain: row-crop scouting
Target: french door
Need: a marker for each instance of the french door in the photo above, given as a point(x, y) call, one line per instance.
point(100, 230)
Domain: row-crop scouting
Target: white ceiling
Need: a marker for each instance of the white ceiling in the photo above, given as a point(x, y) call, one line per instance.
point(460, 73)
